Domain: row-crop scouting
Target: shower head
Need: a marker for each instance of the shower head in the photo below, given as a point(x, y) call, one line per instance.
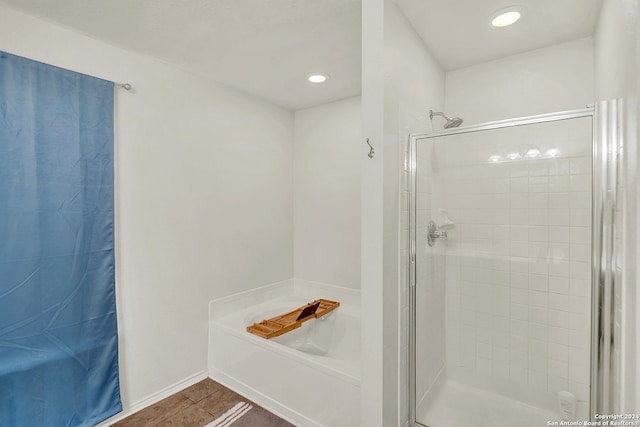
point(451, 122)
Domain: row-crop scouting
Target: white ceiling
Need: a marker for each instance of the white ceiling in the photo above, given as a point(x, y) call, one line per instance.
point(263, 47)
point(267, 47)
point(459, 33)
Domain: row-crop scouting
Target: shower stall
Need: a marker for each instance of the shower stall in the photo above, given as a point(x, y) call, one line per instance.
point(513, 270)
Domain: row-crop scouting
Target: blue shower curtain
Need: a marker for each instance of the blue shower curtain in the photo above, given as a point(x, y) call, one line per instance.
point(58, 332)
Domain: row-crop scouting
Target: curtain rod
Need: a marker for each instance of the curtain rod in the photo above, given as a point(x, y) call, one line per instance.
point(125, 86)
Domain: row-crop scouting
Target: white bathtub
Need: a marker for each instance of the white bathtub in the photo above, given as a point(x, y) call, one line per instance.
point(310, 376)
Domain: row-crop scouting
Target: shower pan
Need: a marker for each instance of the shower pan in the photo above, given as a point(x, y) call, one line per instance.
point(511, 270)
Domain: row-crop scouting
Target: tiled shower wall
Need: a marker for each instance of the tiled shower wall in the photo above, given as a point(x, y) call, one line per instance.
point(517, 259)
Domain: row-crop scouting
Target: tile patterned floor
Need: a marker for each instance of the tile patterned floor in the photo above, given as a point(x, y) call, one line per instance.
point(194, 406)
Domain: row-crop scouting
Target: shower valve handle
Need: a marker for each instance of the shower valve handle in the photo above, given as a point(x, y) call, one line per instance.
point(434, 234)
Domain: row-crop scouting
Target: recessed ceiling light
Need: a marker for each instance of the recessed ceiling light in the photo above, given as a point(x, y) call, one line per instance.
point(317, 77)
point(507, 16)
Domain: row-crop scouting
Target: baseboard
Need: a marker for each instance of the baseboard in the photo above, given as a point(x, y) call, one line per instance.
point(263, 400)
point(155, 397)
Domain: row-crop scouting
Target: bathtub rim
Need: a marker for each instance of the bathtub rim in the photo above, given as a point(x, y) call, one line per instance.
point(222, 308)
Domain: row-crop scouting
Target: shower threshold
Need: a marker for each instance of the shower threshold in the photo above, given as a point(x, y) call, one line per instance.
point(459, 405)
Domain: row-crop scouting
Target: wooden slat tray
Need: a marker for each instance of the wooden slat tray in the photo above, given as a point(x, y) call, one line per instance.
point(287, 322)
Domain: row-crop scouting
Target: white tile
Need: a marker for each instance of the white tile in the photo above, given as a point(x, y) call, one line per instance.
point(580, 182)
point(501, 232)
point(559, 200)
point(558, 368)
point(579, 270)
point(483, 366)
point(538, 299)
point(537, 315)
point(559, 302)
point(558, 184)
point(537, 364)
point(559, 251)
point(519, 217)
point(519, 201)
point(519, 249)
point(538, 201)
point(580, 287)
point(500, 340)
point(558, 319)
point(518, 374)
point(556, 384)
point(579, 357)
point(519, 185)
point(559, 217)
point(538, 355)
point(538, 168)
point(580, 235)
point(483, 335)
point(579, 373)
point(517, 171)
point(519, 296)
point(519, 312)
point(580, 165)
point(559, 166)
point(518, 345)
point(559, 234)
point(538, 332)
point(539, 184)
point(580, 199)
point(558, 335)
point(580, 217)
point(518, 328)
point(519, 280)
point(519, 266)
point(559, 352)
point(559, 268)
point(540, 217)
point(580, 253)
point(579, 321)
point(519, 232)
point(539, 250)
point(538, 380)
point(538, 266)
point(538, 282)
point(579, 339)
point(559, 285)
point(538, 233)
point(581, 391)
point(500, 369)
point(483, 350)
point(501, 354)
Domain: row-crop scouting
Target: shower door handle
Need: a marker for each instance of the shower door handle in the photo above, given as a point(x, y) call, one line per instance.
point(434, 234)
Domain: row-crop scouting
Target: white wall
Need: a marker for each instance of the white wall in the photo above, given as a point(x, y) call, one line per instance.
point(616, 76)
point(545, 80)
point(371, 236)
point(203, 197)
point(414, 84)
point(327, 148)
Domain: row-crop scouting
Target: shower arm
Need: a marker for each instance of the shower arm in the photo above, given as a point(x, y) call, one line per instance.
point(437, 113)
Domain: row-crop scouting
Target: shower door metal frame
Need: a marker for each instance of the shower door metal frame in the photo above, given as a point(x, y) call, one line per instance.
point(601, 225)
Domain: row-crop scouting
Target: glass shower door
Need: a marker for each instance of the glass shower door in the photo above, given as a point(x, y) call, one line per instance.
point(501, 283)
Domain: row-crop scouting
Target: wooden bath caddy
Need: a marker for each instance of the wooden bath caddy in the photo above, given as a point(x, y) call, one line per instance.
point(284, 323)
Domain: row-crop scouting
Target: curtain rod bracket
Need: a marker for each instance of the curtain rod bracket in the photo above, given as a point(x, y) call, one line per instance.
point(125, 86)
